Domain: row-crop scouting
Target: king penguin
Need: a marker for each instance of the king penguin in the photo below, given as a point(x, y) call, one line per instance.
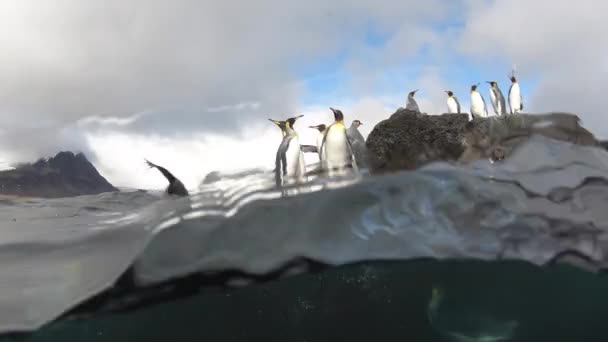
point(411, 102)
point(321, 128)
point(336, 149)
point(453, 104)
point(304, 148)
point(515, 100)
point(498, 100)
point(357, 143)
point(289, 162)
point(176, 187)
point(478, 104)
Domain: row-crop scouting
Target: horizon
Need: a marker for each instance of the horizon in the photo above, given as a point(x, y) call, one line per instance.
point(190, 84)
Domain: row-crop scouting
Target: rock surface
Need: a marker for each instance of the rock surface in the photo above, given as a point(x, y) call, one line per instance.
point(65, 175)
point(408, 140)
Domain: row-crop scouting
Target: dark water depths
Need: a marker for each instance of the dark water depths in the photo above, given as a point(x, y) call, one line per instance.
point(374, 301)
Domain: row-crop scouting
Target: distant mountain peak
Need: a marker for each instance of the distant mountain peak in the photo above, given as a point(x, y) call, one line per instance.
point(64, 175)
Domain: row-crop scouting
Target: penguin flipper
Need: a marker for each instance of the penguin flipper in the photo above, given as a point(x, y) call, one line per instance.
point(308, 149)
point(457, 104)
point(170, 177)
point(281, 160)
point(521, 102)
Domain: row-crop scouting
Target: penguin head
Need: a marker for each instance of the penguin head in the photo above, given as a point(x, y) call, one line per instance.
point(291, 121)
point(449, 92)
point(474, 87)
point(320, 128)
point(357, 123)
point(412, 93)
point(338, 116)
point(279, 123)
point(491, 83)
point(513, 79)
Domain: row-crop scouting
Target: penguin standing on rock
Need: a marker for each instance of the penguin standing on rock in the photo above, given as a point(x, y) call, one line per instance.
point(498, 100)
point(453, 104)
point(176, 187)
point(336, 149)
point(478, 104)
point(411, 102)
point(289, 162)
point(515, 100)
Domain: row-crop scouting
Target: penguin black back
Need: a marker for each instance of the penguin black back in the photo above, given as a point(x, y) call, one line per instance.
point(176, 187)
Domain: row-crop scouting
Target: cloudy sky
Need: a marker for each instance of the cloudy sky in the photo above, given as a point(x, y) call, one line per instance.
point(189, 84)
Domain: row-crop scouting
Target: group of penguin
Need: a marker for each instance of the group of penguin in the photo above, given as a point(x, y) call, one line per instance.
point(478, 104)
point(342, 148)
point(339, 148)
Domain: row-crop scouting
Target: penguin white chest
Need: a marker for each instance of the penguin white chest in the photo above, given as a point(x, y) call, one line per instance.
point(493, 98)
point(293, 155)
point(515, 98)
point(336, 149)
point(477, 104)
point(452, 105)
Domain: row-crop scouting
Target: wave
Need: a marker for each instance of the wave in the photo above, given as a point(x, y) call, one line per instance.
point(543, 205)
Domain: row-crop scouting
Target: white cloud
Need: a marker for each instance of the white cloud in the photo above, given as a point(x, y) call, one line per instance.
point(561, 43)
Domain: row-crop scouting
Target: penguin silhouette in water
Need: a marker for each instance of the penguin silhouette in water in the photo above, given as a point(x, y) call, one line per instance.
point(176, 187)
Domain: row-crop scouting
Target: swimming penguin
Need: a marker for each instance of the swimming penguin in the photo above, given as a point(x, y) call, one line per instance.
point(478, 104)
point(515, 100)
point(336, 149)
point(289, 162)
point(411, 102)
point(497, 99)
point(453, 104)
point(321, 128)
point(357, 143)
point(176, 187)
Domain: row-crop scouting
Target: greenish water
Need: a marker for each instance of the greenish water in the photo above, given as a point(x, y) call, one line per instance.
point(379, 301)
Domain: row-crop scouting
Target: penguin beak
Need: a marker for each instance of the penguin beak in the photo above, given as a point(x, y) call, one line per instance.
point(488, 82)
point(447, 91)
point(333, 110)
point(276, 122)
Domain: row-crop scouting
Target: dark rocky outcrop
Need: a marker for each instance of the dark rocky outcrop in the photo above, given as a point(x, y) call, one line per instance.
point(65, 175)
point(408, 140)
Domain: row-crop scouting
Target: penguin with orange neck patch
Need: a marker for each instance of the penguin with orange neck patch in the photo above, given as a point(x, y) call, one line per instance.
point(336, 148)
